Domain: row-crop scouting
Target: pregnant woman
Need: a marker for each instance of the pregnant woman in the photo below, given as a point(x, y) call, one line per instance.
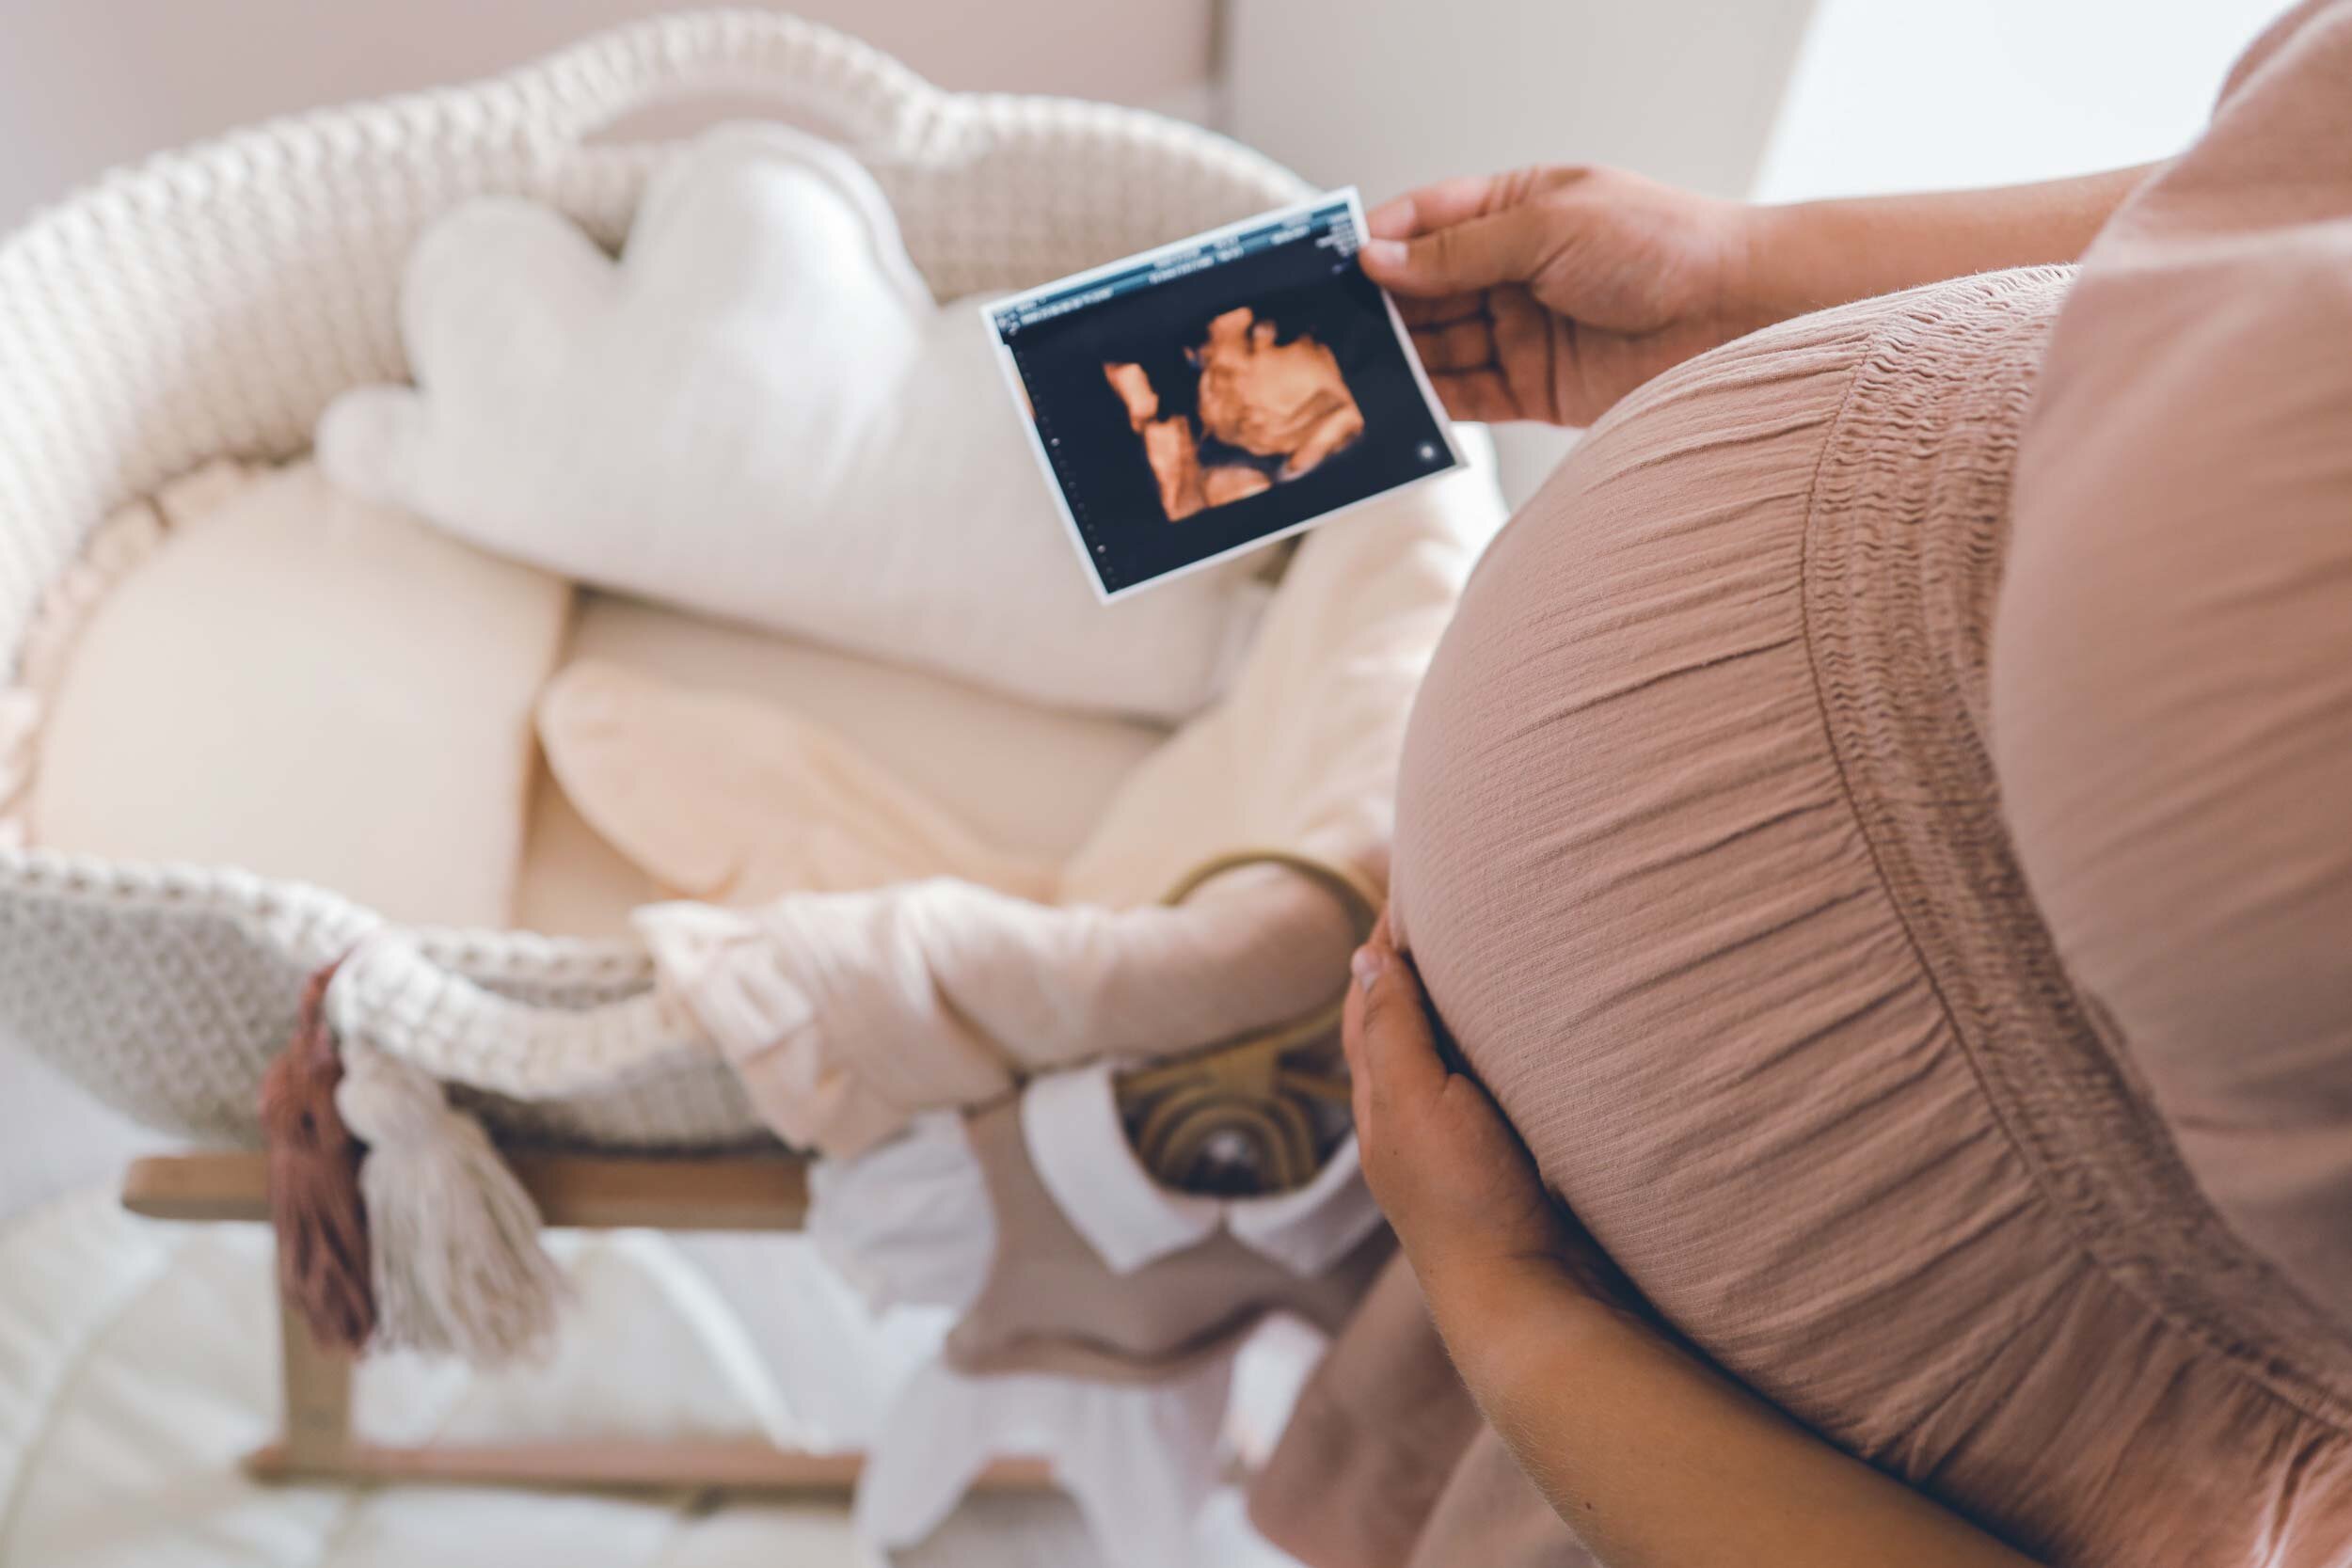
point(1877, 836)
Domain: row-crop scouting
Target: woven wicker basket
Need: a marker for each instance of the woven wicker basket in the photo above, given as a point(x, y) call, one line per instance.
point(212, 301)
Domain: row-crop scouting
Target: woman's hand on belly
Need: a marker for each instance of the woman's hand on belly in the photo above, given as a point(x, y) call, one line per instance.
point(1649, 1455)
point(1459, 1187)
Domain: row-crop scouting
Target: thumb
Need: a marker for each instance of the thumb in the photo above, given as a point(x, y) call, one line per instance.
point(1477, 253)
point(1393, 1046)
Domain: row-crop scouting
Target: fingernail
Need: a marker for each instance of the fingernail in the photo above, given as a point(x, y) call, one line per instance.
point(1391, 219)
point(1366, 966)
point(1386, 255)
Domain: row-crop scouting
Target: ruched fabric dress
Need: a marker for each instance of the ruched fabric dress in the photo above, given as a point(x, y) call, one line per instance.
point(1703, 854)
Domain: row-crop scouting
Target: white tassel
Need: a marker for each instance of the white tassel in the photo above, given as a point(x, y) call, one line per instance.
point(454, 1238)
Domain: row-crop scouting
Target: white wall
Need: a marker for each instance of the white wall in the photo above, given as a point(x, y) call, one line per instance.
point(1894, 95)
point(1392, 93)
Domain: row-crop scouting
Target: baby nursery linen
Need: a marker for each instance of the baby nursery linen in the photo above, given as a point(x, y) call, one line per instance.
point(1101, 1313)
point(670, 775)
point(1028, 781)
point(846, 1013)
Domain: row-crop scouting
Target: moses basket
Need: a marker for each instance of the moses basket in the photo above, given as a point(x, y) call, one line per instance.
point(212, 301)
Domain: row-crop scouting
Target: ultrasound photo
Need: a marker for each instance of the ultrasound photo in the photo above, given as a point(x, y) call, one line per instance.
point(1217, 394)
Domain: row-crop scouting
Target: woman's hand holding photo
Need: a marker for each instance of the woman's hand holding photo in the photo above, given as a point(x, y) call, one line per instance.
point(1548, 294)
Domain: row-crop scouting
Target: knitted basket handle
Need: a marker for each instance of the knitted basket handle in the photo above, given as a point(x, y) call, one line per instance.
point(874, 102)
point(394, 996)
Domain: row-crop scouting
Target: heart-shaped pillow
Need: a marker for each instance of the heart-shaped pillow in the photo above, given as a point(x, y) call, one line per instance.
point(758, 413)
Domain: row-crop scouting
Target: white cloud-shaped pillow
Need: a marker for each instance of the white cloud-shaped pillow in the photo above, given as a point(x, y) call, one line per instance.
point(758, 413)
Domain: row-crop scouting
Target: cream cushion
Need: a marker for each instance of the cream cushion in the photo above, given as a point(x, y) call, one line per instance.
point(1028, 781)
point(306, 685)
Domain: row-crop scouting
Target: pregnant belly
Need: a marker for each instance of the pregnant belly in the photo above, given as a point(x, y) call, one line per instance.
point(1701, 860)
point(1628, 869)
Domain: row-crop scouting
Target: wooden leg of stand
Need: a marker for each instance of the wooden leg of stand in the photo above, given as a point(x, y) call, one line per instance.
point(316, 1384)
point(321, 1441)
point(706, 1466)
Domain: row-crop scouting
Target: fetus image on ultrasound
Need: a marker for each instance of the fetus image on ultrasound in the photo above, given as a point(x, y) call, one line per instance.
point(1264, 411)
point(1194, 402)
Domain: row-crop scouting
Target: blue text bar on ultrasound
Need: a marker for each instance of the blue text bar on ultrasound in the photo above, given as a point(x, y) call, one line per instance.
point(1329, 226)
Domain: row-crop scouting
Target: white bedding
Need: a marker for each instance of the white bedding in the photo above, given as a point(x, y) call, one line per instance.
point(136, 1362)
